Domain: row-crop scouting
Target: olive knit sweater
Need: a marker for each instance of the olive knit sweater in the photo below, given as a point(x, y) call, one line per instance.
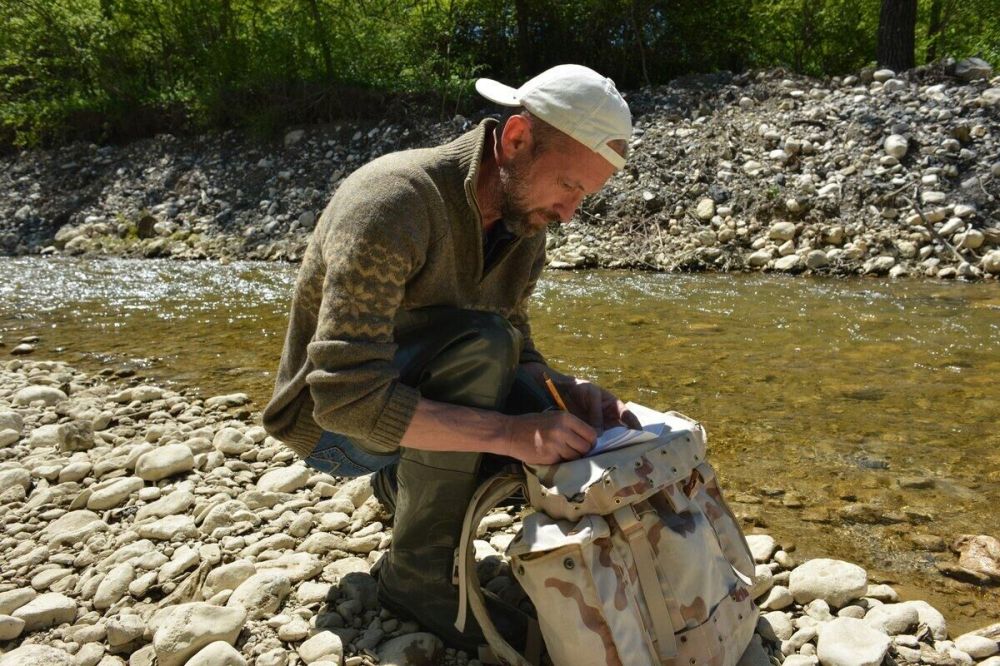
point(402, 232)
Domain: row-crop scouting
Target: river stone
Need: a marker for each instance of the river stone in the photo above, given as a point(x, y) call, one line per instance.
point(284, 480)
point(190, 627)
point(991, 262)
point(849, 642)
point(775, 626)
point(896, 145)
point(17, 476)
point(762, 547)
point(357, 490)
point(705, 210)
point(228, 577)
point(777, 598)
point(8, 437)
point(123, 629)
point(47, 394)
point(325, 645)
point(73, 527)
point(782, 231)
point(37, 655)
point(763, 581)
point(411, 650)
point(114, 586)
point(977, 647)
point(225, 514)
point(46, 610)
point(169, 528)
point(232, 442)
point(979, 553)
point(10, 627)
point(931, 617)
point(792, 262)
point(970, 69)
point(892, 619)
point(833, 581)
point(218, 653)
point(163, 462)
point(176, 502)
point(51, 434)
point(261, 594)
point(297, 566)
point(14, 599)
point(11, 421)
point(114, 493)
point(231, 400)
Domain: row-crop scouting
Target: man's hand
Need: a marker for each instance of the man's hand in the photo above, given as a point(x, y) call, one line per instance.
point(547, 438)
point(598, 407)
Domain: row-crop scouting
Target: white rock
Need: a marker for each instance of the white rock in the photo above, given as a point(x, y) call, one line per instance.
point(176, 502)
point(218, 653)
point(261, 594)
point(114, 493)
point(779, 623)
point(335, 521)
point(356, 490)
point(763, 581)
point(231, 400)
point(705, 210)
point(48, 394)
point(164, 461)
point(931, 617)
point(977, 647)
point(124, 629)
point(285, 479)
point(833, 581)
point(232, 442)
point(896, 145)
point(11, 421)
point(762, 547)
point(37, 655)
point(10, 627)
point(892, 619)
point(782, 231)
point(816, 259)
point(293, 137)
point(883, 75)
point(17, 476)
point(14, 599)
point(991, 262)
point(788, 264)
point(190, 627)
point(46, 610)
point(228, 577)
point(8, 437)
point(779, 597)
point(849, 642)
point(114, 586)
point(297, 566)
point(325, 645)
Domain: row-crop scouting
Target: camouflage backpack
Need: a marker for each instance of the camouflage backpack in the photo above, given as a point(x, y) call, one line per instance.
point(631, 557)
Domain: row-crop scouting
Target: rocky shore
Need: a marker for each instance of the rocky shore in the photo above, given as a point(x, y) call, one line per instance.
point(140, 526)
point(869, 174)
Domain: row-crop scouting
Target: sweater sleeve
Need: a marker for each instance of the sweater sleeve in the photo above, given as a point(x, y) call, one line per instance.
point(374, 241)
point(519, 317)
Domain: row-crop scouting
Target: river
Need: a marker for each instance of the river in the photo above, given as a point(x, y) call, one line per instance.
point(854, 418)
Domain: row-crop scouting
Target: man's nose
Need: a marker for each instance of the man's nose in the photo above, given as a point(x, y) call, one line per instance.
point(568, 207)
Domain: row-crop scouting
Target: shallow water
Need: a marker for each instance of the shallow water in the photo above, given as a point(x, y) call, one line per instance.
point(817, 394)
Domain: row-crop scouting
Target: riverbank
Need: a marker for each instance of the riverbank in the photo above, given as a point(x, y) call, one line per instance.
point(758, 171)
point(141, 521)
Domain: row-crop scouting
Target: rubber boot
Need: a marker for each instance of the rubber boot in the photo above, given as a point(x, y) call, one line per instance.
point(474, 366)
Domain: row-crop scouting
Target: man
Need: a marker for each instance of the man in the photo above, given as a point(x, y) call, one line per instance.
point(408, 350)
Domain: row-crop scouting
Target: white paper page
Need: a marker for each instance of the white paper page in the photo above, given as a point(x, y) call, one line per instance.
point(653, 424)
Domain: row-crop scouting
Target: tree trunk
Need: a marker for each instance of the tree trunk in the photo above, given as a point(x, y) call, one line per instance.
point(321, 38)
point(638, 40)
point(933, 30)
point(523, 38)
point(897, 24)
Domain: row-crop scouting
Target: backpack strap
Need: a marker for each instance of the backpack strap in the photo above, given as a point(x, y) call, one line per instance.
point(649, 582)
point(470, 595)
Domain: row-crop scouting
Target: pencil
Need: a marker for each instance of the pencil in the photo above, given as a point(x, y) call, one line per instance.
point(555, 394)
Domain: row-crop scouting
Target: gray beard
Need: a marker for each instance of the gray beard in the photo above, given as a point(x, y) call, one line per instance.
point(515, 214)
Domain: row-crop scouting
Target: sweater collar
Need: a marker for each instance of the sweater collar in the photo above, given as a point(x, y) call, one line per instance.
point(467, 150)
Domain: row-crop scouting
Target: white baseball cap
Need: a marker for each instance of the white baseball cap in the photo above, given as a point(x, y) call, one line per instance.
point(575, 100)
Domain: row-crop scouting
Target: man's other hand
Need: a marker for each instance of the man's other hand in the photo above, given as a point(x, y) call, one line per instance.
point(549, 437)
point(599, 407)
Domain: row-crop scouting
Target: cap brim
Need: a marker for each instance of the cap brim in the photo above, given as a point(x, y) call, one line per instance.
point(498, 92)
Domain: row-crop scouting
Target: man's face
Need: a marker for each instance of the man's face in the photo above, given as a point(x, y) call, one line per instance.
point(548, 187)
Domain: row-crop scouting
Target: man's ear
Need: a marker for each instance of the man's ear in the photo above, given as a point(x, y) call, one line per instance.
point(517, 138)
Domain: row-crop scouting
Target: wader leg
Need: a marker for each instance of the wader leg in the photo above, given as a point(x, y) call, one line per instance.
point(463, 358)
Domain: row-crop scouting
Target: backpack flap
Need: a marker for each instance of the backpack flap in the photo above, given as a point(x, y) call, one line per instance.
point(605, 482)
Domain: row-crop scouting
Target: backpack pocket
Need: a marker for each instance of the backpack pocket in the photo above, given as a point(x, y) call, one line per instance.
point(583, 586)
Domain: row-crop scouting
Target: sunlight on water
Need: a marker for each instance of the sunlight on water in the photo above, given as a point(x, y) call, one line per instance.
point(817, 394)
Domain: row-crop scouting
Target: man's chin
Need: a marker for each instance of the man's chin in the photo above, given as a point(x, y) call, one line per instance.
point(530, 225)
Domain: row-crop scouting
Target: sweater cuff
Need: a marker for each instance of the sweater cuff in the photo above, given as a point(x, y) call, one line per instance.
point(394, 419)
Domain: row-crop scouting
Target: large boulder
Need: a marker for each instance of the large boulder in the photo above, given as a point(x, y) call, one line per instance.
point(833, 581)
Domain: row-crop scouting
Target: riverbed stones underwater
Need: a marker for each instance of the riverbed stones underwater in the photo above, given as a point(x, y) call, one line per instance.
point(121, 552)
point(760, 171)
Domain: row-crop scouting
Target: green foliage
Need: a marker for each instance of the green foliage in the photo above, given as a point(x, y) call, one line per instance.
point(117, 69)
